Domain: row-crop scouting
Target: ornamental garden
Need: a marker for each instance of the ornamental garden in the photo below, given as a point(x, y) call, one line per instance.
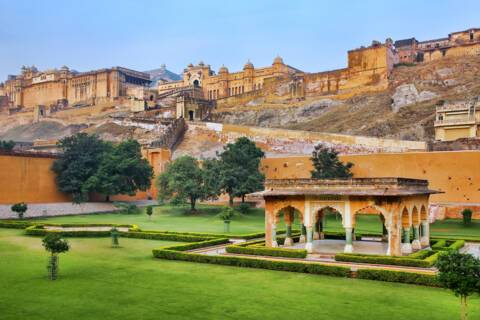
point(330, 243)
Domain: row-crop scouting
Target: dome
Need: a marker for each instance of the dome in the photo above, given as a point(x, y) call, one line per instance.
point(223, 69)
point(278, 60)
point(248, 65)
point(201, 64)
point(190, 65)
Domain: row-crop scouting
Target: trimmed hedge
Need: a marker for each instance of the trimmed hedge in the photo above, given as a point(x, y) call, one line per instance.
point(38, 230)
point(377, 259)
point(448, 244)
point(398, 276)
point(172, 254)
point(164, 236)
point(264, 251)
point(15, 224)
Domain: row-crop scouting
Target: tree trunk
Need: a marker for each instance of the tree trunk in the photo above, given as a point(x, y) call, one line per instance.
point(464, 306)
point(243, 198)
point(192, 204)
point(230, 200)
point(107, 198)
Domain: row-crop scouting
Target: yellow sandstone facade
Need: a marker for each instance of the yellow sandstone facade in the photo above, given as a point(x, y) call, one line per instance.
point(64, 87)
point(457, 120)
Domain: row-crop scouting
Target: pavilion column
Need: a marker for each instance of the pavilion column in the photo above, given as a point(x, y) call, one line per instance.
point(394, 229)
point(303, 234)
point(309, 244)
point(348, 240)
point(416, 238)
point(406, 245)
point(321, 223)
point(288, 217)
point(274, 235)
point(316, 232)
point(307, 221)
point(347, 221)
point(425, 239)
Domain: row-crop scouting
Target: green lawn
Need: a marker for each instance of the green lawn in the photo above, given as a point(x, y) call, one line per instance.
point(206, 220)
point(98, 282)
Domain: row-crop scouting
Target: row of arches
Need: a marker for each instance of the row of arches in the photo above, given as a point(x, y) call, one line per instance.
point(410, 227)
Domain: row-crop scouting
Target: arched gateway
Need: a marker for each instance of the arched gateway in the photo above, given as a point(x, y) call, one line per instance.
point(397, 200)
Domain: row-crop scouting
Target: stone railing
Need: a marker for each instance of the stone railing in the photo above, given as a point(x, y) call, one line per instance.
point(393, 182)
point(464, 120)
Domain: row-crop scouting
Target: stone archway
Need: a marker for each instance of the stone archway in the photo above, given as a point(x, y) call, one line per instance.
point(191, 115)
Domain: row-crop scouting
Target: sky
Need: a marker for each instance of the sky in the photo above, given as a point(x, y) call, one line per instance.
point(309, 35)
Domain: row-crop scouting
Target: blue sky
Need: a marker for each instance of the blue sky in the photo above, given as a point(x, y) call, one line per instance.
point(310, 35)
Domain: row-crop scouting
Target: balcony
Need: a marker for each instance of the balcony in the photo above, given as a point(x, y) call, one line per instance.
point(468, 120)
point(453, 107)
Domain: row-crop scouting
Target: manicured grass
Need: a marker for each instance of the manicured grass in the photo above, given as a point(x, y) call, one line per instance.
point(180, 219)
point(176, 219)
point(98, 282)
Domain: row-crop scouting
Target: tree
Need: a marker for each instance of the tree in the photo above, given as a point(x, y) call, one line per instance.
point(149, 212)
point(327, 165)
point(460, 273)
point(121, 171)
point(7, 145)
point(20, 209)
point(240, 173)
point(54, 243)
point(467, 216)
point(80, 159)
point(227, 215)
point(184, 180)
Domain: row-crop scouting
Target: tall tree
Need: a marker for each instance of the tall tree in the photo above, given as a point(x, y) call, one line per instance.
point(461, 274)
point(240, 169)
point(79, 160)
point(327, 165)
point(122, 171)
point(7, 145)
point(185, 181)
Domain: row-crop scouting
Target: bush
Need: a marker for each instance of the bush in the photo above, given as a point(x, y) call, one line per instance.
point(164, 236)
point(445, 244)
point(243, 208)
point(378, 259)
point(253, 263)
point(15, 224)
point(398, 276)
point(20, 209)
point(126, 207)
point(467, 216)
point(250, 248)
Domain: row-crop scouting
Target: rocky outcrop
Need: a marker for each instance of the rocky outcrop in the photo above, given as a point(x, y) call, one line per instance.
point(407, 94)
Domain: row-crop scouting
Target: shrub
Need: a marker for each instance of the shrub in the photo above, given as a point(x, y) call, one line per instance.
point(20, 209)
point(467, 216)
point(378, 259)
point(263, 251)
point(440, 244)
point(243, 208)
point(55, 245)
point(15, 224)
point(149, 212)
point(126, 207)
point(398, 276)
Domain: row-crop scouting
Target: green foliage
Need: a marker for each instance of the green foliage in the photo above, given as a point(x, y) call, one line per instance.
point(467, 216)
point(15, 224)
point(388, 260)
point(79, 161)
point(7, 145)
point(127, 207)
point(398, 276)
point(114, 234)
point(327, 165)
point(243, 208)
point(20, 209)
point(227, 214)
point(250, 248)
point(447, 244)
point(239, 172)
point(121, 171)
point(149, 211)
point(54, 243)
point(88, 164)
point(184, 180)
point(459, 272)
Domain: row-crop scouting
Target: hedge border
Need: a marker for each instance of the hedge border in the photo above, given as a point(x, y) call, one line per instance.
point(398, 276)
point(258, 248)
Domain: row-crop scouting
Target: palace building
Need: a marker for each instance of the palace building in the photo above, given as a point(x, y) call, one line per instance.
point(64, 87)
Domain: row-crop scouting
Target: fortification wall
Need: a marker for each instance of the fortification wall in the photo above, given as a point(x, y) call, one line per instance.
point(457, 51)
point(457, 173)
point(281, 141)
point(28, 178)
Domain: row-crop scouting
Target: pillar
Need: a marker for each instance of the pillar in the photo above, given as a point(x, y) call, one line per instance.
point(309, 244)
point(322, 227)
point(302, 234)
point(316, 231)
point(274, 235)
point(425, 239)
point(348, 240)
point(288, 239)
point(406, 246)
point(416, 238)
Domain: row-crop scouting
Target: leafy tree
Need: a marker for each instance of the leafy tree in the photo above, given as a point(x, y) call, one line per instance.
point(7, 145)
point(80, 159)
point(20, 209)
point(126, 207)
point(149, 212)
point(121, 171)
point(184, 180)
point(327, 165)
point(54, 243)
point(460, 273)
point(227, 215)
point(240, 174)
point(467, 216)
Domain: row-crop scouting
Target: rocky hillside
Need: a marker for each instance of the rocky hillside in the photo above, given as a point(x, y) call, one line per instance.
point(405, 111)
